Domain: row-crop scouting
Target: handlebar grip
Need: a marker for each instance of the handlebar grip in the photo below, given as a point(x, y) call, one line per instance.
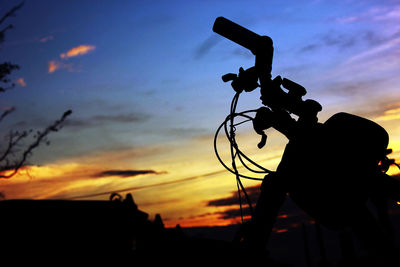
point(236, 33)
point(229, 77)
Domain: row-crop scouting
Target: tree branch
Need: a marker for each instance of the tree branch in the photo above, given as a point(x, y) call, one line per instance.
point(6, 112)
point(28, 151)
point(11, 12)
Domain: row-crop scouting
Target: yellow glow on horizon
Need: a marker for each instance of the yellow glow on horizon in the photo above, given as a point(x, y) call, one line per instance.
point(180, 194)
point(191, 177)
point(391, 114)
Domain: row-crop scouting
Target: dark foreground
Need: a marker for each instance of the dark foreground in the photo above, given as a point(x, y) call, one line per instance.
point(91, 232)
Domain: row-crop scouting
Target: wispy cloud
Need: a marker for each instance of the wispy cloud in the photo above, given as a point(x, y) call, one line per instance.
point(125, 173)
point(376, 62)
point(131, 117)
point(99, 120)
point(390, 13)
point(347, 19)
point(392, 113)
point(54, 65)
point(386, 48)
point(21, 82)
point(77, 51)
point(206, 46)
point(46, 39)
point(80, 50)
point(343, 40)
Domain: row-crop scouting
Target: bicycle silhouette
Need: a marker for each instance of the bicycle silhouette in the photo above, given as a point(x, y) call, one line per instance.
point(330, 170)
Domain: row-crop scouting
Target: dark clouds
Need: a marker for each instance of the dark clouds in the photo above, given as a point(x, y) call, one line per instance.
point(253, 193)
point(99, 120)
point(124, 173)
point(206, 46)
point(234, 213)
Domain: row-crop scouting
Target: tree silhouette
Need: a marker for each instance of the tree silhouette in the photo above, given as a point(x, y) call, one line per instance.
point(15, 152)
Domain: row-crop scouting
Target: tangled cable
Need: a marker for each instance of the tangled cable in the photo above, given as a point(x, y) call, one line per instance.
point(236, 153)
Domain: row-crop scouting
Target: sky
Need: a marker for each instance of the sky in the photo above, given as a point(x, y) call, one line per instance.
point(143, 80)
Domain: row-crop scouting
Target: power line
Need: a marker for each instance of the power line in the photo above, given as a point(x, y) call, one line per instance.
point(148, 186)
point(135, 188)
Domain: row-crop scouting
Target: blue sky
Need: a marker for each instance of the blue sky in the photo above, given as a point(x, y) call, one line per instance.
point(149, 79)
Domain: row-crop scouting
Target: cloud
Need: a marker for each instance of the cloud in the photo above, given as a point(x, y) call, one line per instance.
point(377, 63)
point(289, 216)
point(389, 13)
point(235, 213)
point(385, 48)
point(253, 193)
point(342, 40)
point(54, 65)
point(125, 173)
point(348, 19)
point(77, 51)
point(391, 113)
point(98, 120)
point(46, 39)
point(131, 117)
point(310, 47)
point(206, 46)
point(21, 82)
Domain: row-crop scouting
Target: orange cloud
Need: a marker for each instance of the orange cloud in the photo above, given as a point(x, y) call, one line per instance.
point(56, 65)
point(77, 51)
point(53, 66)
point(21, 82)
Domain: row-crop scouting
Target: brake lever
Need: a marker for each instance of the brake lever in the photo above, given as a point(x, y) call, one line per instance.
point(262, 121)
point(246, 80)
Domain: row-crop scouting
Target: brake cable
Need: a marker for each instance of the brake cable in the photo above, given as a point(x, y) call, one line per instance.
point(236, 153)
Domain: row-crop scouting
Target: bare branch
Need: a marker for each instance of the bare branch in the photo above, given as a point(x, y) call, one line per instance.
point(11, 13)
point(14, 168)
point(14, 139)
point(6, 112)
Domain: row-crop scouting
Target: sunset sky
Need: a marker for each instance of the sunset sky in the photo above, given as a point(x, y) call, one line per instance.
point(143, 79)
